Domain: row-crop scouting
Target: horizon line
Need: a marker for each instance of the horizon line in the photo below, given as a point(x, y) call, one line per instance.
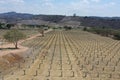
point(58, 14)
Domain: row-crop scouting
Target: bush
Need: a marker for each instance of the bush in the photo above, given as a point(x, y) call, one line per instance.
point(105, 32)
point(67, 27)
point(84, 29)
point(100, 31)
point(116, 35)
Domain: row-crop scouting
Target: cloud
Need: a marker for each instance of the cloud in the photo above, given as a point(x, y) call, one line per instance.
point(89, 1)
point(12, 1)
point(86, 1)
point(18, 1)
point(48, 3)
point(11, 5)
point(96, 1)
point(92, 7)
point(112, 3)
point(2, 1)
point(80, 7)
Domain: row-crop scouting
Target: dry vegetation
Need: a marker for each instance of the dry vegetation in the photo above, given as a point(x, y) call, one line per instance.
point(28, 32)
point(65, 55)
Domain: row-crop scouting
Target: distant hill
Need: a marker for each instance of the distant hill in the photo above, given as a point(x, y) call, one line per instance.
point(109, 22)
point(60, 20)
point(50, 18)
point(13, 16)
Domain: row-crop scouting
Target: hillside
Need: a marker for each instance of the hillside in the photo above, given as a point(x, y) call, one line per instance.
point(61, 20)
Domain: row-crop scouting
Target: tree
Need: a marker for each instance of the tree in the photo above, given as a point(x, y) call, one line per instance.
point(74, 15)
point(84, 29)
point(41, 31)
point(2, 25)
point(14, 36)
point(67, 28)
point(9, 26)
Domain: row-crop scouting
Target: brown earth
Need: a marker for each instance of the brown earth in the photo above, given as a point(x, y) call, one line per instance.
point(9, 55)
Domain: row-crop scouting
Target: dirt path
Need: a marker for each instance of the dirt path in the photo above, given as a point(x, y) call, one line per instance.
point(21, 48)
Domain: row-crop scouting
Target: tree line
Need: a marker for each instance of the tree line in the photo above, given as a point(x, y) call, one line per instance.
point(108, 32)
point(6, 25)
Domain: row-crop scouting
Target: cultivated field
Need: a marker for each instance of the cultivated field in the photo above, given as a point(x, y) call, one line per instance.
point(67, 55)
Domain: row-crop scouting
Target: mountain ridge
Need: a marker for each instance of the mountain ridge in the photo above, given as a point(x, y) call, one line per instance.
point(61, 20)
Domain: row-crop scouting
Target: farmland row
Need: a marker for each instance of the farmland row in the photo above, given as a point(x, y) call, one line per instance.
point(69, 55)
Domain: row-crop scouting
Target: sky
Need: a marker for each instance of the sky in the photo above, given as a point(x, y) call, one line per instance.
point(104, 8)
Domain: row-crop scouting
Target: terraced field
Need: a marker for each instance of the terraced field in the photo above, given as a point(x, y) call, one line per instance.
point(68, 55)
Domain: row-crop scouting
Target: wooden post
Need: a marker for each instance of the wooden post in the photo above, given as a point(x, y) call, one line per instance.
point(39, 66)
point(24, 72)
point(36, 73)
